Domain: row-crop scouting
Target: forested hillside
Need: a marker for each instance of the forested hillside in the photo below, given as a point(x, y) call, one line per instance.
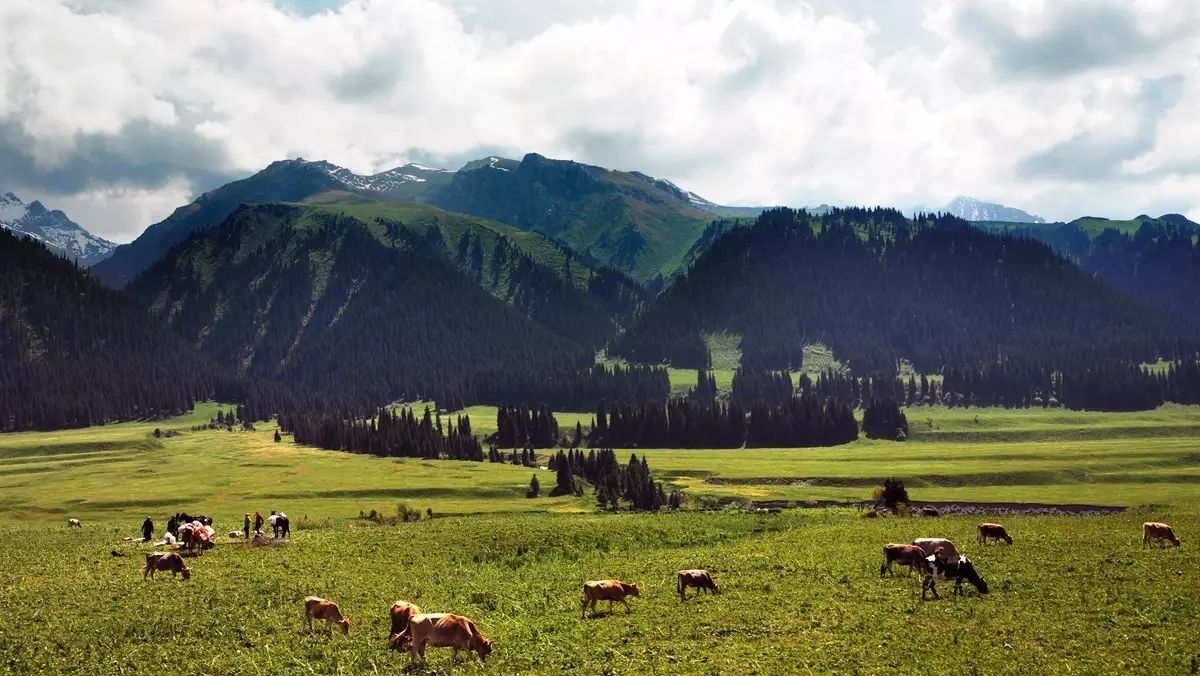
point(1156, 260)
point(73, 353)
point(877, 288)
point(368, 312)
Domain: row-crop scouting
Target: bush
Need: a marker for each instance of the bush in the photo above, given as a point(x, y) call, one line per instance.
point(405, 512)
point(892, 493)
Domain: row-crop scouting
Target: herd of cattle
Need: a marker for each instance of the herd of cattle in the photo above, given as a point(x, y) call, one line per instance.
point(935, 559)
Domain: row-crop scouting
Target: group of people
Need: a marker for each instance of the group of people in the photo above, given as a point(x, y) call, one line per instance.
point(278, 521)
point(280, 526)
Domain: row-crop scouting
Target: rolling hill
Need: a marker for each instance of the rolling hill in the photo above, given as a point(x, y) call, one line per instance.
point(374, 309)
point(73, 353)
point(878, 288)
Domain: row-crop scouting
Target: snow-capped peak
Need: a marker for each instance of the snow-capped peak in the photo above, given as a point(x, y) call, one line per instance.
point(971, 209)
point(59, 233)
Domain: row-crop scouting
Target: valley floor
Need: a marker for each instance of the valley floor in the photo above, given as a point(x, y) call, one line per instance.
point(801, 590)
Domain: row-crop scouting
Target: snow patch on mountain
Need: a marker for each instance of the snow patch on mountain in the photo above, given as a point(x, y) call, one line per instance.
point(52, 228)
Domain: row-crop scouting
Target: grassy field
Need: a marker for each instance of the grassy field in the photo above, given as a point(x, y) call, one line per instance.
point(801, 591)
point(124, 471)
point(979, 455)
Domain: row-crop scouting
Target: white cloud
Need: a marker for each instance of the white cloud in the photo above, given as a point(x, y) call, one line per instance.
point(747, 101)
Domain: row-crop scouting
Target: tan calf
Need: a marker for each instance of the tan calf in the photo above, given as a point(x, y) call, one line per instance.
point(939, 547)
point(171, 561)
point(606, 590)
point(317, 608)
point(992, 531)
point(443, 630)
point(1153, 531)
point(906, 555)
point(700, 579)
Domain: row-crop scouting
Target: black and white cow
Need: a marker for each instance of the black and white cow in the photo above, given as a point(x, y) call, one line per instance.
point(951, 569)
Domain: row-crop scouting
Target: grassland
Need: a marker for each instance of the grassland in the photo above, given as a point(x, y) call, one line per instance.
point(801, 591)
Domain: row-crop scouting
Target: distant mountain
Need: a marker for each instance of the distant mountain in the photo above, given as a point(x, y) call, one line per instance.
point(1156, 260)
point(286, 181)
point(971, 209)
point(372, 304)
point(74, 353)
point(624, 220)
point(877, 288)
point(52, 228)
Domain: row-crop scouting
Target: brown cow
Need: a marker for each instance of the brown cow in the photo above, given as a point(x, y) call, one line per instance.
point(906, 555)
point(939, 547)
point(606, 590)
point(171, 561)
point(402, 613)
point(1153, 530)
point(318, 608)
point(443, 630)
point(700, 579)
point(992, 531)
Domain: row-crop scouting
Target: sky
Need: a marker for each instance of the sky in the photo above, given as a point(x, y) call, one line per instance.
point(120, 111)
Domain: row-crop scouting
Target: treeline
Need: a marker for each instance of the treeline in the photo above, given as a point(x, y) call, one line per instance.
point(389, 434)
point(878, 288)
point(1099, 386)
point(612, 481)
point(806, 420)
point(524, 427)
point(74, 353)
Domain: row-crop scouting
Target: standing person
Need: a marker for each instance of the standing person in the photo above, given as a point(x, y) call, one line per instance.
point(173, 525)
point(246, 526)
point(258, 522)
point(148, 530)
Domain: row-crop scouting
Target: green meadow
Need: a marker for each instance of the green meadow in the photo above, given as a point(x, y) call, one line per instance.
point(801, 590)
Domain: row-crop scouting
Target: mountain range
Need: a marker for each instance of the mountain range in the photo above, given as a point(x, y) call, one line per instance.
point(626, 221)
point(52, 228)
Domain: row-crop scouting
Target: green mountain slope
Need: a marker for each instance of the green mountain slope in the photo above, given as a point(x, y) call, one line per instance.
point(329, 302)
point(624, 220)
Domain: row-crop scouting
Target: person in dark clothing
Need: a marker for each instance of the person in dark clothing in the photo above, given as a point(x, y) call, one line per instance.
point(258, 522)
point(246, 526)
point(148, 530)
point(173, 525)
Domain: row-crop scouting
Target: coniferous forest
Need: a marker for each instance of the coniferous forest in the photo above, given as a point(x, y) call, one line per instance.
point(74, 353)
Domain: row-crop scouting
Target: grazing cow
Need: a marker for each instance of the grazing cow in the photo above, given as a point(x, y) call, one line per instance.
point(318, 608)
point(930, 511)
point(906, 555)
point(954, 569)
point(443, 630)
point(700, 579)
point(171, 561)
point(992, 531)
point(1155, 531)
point(940, 547)
point(606, 590)
point(402, 613)
point(74, 523)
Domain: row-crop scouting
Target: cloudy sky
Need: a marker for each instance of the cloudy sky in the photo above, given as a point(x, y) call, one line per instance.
point(118, 111)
